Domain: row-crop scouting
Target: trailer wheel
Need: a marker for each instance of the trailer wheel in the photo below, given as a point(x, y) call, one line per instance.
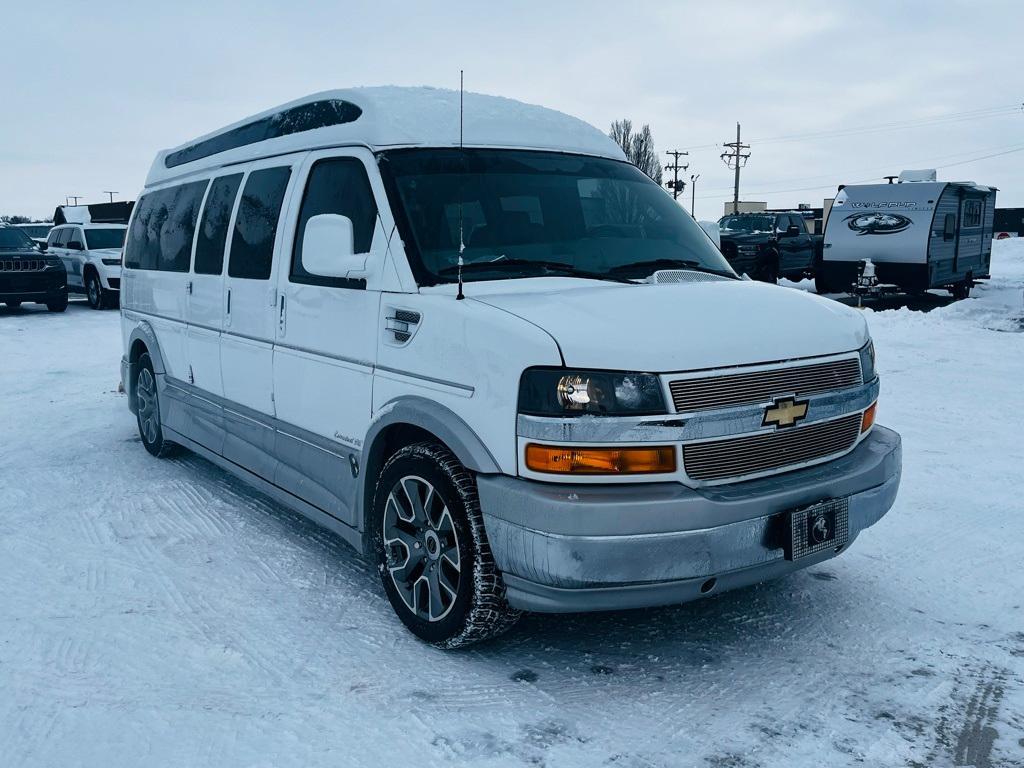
point(961, 290)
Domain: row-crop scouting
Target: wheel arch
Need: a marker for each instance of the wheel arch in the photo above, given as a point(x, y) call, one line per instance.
point(408, 420)
point(142, 340)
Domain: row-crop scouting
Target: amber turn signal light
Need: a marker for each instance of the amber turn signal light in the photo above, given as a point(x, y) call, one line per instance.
point(564, 460)
point(868, 419)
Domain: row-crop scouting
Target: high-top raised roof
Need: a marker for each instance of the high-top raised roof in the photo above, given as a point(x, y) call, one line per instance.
point(381, 118)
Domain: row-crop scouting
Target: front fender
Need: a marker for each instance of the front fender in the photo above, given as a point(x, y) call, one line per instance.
point(440, 421)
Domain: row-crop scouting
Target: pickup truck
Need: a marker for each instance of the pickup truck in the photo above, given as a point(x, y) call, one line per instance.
point(767, 246)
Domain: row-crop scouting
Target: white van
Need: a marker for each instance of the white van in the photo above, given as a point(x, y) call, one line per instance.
point(92, 257)
point(600, 415)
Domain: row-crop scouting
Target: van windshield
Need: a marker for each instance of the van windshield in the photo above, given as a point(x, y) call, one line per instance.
point(104, 238)
point(530, 214)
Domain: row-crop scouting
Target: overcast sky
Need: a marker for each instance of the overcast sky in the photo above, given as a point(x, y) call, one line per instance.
point(92, 91)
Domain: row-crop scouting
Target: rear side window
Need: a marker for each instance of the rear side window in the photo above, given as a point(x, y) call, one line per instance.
point(338, 185)
point(252, 245)
point(213, 229)
point(58, 237)
point(163, 227)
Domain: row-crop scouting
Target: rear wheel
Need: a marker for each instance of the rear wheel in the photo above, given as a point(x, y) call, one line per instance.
point(147, 409)
point(432, 552)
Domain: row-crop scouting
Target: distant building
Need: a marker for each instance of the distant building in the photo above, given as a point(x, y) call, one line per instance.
point(1008, 222)
point(745, 206)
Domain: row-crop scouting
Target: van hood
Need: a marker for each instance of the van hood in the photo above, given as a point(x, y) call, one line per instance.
point(678, 327)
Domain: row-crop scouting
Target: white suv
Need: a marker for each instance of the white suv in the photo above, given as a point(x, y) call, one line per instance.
point(495, 357)
point(92, 256)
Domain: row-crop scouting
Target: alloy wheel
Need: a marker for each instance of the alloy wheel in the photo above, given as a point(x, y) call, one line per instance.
point(422, 548)
point(94, 291)
point(145, 398)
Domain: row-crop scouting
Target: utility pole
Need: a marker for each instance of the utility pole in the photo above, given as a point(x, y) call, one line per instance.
point(735, 159)
point(676, 185)
point(108, 192)
point(693, 194)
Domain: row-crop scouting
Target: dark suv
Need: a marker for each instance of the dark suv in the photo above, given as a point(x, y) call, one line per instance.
point(28, 275)
point(769, 245)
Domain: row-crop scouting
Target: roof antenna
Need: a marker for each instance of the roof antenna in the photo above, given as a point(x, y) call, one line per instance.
point(462, 244)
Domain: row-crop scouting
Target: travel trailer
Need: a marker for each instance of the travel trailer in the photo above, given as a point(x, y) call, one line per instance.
point(919, 234)
point(493, 356)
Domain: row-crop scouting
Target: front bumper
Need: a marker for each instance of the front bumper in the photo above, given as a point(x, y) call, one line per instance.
point(42, 287)
point(568, 548)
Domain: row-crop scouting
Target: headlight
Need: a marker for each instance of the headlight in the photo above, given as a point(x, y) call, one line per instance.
point(561, 392)
point(867, 361)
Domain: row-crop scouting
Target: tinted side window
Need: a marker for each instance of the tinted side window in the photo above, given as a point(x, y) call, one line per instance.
point(162, 229)
point(213, 230)
point(59, 237)
point(340, 186)
point(252, 245)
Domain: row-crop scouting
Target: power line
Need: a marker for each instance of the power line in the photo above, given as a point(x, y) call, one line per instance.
point(880, 168)
point(865, 181)
point(951, 117)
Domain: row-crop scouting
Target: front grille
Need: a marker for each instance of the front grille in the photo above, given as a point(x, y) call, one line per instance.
point(762, 386)
point(739, 456)
point(22, 265)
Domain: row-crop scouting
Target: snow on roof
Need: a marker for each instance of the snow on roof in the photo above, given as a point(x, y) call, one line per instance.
point(393, 116)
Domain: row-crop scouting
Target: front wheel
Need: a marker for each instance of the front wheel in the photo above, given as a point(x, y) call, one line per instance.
point(769, 270)
point(432, 552)
point(60, 304)
point(94, 291)
point(147, 409)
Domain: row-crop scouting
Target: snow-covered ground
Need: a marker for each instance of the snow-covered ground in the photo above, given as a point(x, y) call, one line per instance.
point(159, 613)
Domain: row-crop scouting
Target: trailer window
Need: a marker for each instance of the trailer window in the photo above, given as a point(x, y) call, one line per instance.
point(972, 213)
point(949, 231)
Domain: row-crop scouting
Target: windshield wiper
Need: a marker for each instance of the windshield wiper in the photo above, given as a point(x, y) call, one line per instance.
point(559, 268)
point(658, 264)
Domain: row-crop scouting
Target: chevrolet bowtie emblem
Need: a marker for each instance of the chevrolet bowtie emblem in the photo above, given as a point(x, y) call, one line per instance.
point(784, 413)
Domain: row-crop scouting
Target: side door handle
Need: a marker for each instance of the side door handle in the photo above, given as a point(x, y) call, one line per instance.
point(281, 316)
point(227, 320)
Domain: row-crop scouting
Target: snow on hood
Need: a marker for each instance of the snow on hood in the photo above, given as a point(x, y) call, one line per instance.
point(679, 327)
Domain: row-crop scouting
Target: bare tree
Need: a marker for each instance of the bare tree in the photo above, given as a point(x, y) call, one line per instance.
point(15, 219)
point(638, 146)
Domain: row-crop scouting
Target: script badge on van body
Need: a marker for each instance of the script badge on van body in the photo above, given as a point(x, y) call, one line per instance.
point(784, 413)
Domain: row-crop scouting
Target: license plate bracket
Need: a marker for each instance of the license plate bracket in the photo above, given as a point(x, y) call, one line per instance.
point(816, 528)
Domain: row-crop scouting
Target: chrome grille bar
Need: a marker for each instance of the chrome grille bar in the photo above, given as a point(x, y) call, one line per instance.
point(708, 392)
point(763, 452)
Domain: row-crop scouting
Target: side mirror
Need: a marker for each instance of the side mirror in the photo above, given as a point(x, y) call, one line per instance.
point(792, 231)
point(74, 245)
point(327, 248)
point(42, 247)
